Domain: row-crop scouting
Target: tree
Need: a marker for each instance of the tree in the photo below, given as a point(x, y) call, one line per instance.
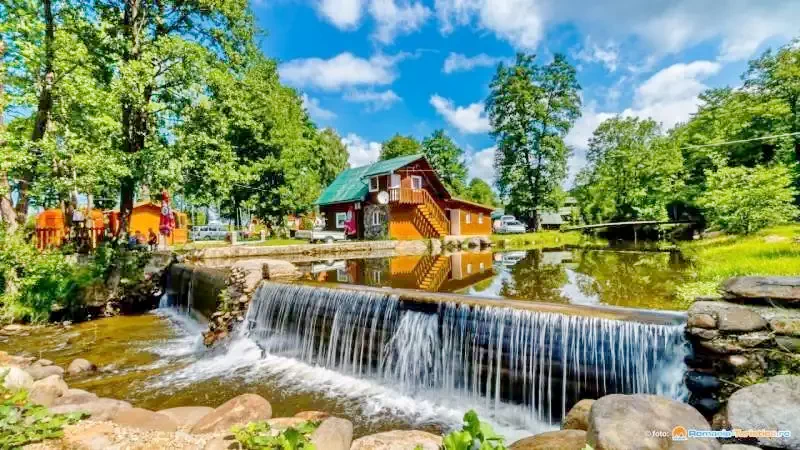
point(531, 108)
point(745, 200)
point(332, 157)
point(448, 160)
point(479, 191)
point(399, 145)
point(633, 172)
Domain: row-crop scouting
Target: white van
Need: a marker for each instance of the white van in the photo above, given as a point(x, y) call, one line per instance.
point(210, 232)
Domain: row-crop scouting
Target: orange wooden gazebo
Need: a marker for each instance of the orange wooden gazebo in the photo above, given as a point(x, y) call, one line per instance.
point(146, 216)
point(51, 231)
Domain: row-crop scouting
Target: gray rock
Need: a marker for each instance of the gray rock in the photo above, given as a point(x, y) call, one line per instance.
point(617, 421)
point(785, 290)
point(238, 410)
point(788, 343)
point(80, 365)
point(729, 317)
point(701, 320)
point(187, 416)
point(703, 333)
point(47, 390)
point(39, 372)
point(578, 416)
point(562, 440)
point(398, 440)
point(754, 339)
point(333, 434)
point(16, 379)
point(100, 409)
point(771, 405)
point(785, 325)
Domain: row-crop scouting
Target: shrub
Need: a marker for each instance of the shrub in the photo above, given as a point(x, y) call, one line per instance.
point(474, 435)
point(745, 200)
point(260, 436)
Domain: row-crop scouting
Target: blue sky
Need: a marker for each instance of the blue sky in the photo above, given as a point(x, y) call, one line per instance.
point(372, 68)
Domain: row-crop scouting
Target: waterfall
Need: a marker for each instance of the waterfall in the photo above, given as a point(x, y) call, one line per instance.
point(544, 362)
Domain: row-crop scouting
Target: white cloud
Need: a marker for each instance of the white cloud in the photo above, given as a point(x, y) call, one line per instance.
point(374, 100)
point(343, 70)
point(361, 152)
point(518, 21)
point(670, 95)
point(315, 110)
point(607, 54)
point(344, 14)
point(459, 62)
point(393, 18)
point(467, 119)
point(480, 164)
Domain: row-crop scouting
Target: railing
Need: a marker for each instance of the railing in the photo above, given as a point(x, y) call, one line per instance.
point(436, 211)
point(408, 196)
point(438, 277)
point(422, 268)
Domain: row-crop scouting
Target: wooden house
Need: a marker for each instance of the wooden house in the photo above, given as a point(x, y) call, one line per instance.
point(146, 216)
point(400, 198)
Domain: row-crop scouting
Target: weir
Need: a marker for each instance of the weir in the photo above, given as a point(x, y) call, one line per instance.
point(194, 289)
point(540, 361)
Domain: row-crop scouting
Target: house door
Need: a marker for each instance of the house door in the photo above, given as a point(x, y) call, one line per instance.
point(455, 222)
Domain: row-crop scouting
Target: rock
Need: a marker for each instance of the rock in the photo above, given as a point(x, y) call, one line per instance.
point(788, 343)
point(282, 423)
point(144, 419)
point(187, 416)
point(75, 397)
point(100, 409)
point(238, 410)
point(275, 269)
point(729, 317)
point(782, 290)
point(562, 440)
point(40, 372)
point(80, 365)
point(44, 362)
point(702, 321)
point(223, 443)
point(398, 440)
point(704, 333)
point(721, 346)
point(47, 390)
point(739, 447)
point(616, 421)
point(787, 326)
point(739, 361)
point(312, 415)
point(701, 382)
point(578, 417)
point(16, 379)
point(707, 406)
point(774, 405)
point(333, 434)
point(96, 436)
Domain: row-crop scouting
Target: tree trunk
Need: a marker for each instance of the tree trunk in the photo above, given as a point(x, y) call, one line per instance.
point(8, 215)
point(43, 110)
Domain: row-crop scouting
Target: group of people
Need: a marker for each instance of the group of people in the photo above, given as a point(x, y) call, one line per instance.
point(138, 240)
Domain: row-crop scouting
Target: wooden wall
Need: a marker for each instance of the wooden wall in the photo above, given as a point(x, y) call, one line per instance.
point(329, 213)
point(401, 222)
point(476, 227)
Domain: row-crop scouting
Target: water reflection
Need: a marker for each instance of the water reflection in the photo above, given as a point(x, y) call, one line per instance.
point(639, 279)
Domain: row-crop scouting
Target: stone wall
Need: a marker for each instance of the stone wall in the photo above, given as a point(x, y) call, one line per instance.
point(749, 334)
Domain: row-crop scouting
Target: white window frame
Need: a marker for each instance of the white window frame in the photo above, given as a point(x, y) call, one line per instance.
point(341, 218)
point(416, 182)
point(480, 218)
point(377, 184)
point(376, 218)
point(468, 218)
point(469, 268)
point(343, 276)
point(394, 181)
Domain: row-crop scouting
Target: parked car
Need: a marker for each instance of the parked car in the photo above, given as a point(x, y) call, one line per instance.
point(513, 226)
point(210, 232)
point(327, 237)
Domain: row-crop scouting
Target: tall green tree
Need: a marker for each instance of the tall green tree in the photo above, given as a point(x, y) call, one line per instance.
point(399, 145)
point(479, 191)
point(448, 160)
point(332, 157)
point(531, 108)
point(633, 172)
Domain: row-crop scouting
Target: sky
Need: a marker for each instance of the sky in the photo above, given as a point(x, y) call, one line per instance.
point(373, 68)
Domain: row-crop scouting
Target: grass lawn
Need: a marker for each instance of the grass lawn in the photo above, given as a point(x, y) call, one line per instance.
point(277, 241)
point(773, 251)
point(196, 245)
point(544, 239)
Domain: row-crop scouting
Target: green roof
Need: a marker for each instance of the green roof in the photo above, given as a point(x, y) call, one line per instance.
point(351, 185)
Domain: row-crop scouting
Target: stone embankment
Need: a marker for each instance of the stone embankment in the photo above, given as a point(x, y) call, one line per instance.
point(746, 346)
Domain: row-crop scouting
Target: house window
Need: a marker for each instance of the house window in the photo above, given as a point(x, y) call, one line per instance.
point(394, 180)
point(342, 276)
point(480, 218)
point(341, 217)
point(373, 184)
point(468, 218)
point(376, 276)
point(481, 267)
point(376, 218)
point(416, 181)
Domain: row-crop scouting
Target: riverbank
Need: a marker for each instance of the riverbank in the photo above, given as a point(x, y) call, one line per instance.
point(544, 240)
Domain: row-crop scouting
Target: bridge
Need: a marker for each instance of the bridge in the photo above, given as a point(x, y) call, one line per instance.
point(628, 224)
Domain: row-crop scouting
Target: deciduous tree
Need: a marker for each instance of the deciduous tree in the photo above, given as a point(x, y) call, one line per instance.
point(448, 160)
point(399, 145)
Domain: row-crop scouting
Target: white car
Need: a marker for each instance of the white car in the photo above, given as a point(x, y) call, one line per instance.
point(210, 232)
point(510, 227)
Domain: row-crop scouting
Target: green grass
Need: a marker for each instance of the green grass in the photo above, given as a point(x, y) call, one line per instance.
point(277, 241)
point(773, 251)
point(544, 239)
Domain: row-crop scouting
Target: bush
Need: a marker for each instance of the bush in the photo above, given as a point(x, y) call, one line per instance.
point(259, 436)
point(474, 435)
point(744, 200)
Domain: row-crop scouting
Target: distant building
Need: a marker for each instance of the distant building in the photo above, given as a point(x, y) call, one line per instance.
point(550, 220)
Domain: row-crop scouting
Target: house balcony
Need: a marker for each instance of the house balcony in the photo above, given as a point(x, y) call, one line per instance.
point(407, 196)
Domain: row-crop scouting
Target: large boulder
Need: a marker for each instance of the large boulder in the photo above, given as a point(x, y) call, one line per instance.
point(729, 317)
point(40, 372)
point(782, 290)
point(619, 421)
point(75, 397)
point(312, 415)
point(562, 440)
point(144, 419)
point(45, 391)
point(774, 405)
point(100, 409)
point(238, 410)
point(333, 434)
point(578, 417)
point(80, 365)
point(16, 379)
point(398, 440)
point(187, 416)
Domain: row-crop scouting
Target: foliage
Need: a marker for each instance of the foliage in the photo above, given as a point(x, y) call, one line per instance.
point(545, 240)
point(474, 435)
point(531, 108)
point(745, 200)
point(632, 174)
point(479, 191)
point(448, 160)
point(260, 436)
point(332, 157)
point(22, 422)
point(399, 145)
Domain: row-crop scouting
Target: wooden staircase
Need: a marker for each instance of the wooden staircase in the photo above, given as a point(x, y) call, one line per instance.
point(436, 222)
point(435, 273)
